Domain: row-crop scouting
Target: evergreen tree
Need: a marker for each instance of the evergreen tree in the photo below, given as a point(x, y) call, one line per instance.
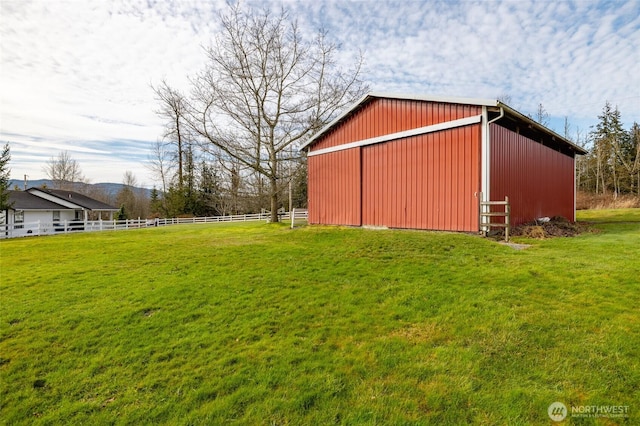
point(299, 184)
point(607, 138)
point(209, 191)
point(4, 177)
point(156, 203)
point(175, 204)
point(121, 214)
point(629, 156)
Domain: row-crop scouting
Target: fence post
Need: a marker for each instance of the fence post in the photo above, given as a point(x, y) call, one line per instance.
point(293, 216)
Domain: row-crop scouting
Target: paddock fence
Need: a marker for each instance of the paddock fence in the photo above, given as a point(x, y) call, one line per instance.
point(30, 229)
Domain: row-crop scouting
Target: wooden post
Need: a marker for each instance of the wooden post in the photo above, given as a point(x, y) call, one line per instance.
point(480, 213)
point(290, 197)
point(507, 218)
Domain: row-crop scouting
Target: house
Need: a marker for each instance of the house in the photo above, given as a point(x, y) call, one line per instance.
point(54, 210)
point(82, 204)
point(426, 162)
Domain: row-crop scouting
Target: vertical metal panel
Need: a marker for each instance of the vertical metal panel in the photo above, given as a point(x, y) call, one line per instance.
point(334, 188)
point(537, 179)
point(423, 182)
point(383, 116)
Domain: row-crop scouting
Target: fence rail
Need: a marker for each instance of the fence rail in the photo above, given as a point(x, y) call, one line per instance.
point(29, 229)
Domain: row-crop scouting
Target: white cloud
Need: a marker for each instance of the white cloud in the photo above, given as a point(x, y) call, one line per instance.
point(76, 74)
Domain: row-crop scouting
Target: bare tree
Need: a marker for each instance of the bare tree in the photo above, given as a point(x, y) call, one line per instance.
point(133, 199)
point(626, 149)
point(160, 164)
point(505, 98)
point(634, 136)
point(267, 88)
point(582, 163)
point(64, 171)
point(542, 116)
point(567, 128)
point(173, 108)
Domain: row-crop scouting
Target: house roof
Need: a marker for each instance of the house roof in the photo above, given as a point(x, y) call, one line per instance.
point(22, 200)
point(76, 198)
point(512, 113)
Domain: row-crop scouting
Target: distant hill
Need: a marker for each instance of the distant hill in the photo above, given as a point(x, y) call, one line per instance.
point(111, 189)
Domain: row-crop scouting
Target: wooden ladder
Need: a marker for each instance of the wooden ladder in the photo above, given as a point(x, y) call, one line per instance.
point(486, 214)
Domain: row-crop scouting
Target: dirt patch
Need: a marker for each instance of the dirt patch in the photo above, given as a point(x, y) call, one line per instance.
point(557, 226)
point(516, 246)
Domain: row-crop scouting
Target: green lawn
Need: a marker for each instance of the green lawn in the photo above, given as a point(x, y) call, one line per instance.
point(260, 324)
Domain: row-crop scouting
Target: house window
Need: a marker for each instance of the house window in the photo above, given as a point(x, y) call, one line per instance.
point(56, 217)
point(79, 215)
point(3, 217)
point(18, 219)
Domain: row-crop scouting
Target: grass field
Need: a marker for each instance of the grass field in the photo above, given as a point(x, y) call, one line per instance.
point(260, 324)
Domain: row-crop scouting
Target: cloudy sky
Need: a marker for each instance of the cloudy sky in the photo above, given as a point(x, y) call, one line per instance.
point(75, 75)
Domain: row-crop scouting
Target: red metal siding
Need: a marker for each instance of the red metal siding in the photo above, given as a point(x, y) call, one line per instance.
point(423, 182)
point(538, 180)
point(384, 116)
point(334, 188)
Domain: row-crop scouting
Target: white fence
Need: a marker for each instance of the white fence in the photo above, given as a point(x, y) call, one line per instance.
point(66, 227)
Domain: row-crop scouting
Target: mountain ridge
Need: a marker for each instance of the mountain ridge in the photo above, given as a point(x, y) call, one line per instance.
point(110, 188)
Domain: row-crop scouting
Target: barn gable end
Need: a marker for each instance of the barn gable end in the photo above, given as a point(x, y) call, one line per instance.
point(383, 116)
point(425, 163)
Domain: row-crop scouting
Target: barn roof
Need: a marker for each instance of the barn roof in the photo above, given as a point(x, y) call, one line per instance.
point(509, 114)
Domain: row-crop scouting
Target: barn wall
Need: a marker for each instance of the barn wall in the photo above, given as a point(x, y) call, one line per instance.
point(384, 116)
point(334, 188)
point(538, 180)
point(423, 182)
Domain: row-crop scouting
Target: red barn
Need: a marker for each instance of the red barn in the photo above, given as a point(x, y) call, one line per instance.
point(424, 162)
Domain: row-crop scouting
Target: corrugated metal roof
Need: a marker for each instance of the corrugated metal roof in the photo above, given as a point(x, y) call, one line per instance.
point(540, 127)
point(445, 99)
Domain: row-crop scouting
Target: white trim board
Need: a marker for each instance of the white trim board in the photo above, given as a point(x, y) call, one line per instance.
point(400, 135)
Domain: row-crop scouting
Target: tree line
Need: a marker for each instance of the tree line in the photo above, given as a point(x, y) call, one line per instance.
point(612, 164)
